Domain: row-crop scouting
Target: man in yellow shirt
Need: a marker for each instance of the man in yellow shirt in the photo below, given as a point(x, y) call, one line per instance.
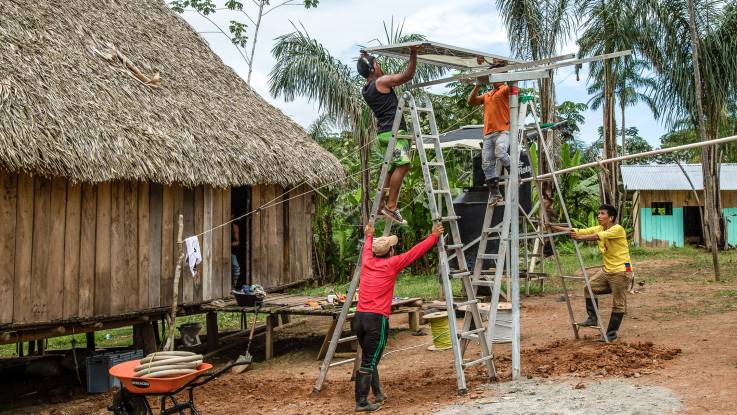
point(614, 276)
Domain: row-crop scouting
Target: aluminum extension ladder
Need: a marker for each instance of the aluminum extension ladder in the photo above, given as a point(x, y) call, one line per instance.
point(442, 211)
point(501, 233)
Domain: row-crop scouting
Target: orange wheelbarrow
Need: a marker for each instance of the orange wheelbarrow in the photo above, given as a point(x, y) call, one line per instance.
point(132, 397)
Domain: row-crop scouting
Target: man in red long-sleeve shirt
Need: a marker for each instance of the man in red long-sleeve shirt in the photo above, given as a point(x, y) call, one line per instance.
point(379, 270)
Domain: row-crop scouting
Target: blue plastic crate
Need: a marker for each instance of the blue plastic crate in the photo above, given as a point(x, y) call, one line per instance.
point(98, 378)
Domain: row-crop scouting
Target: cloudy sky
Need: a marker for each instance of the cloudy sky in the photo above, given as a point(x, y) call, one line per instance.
point(341, 25)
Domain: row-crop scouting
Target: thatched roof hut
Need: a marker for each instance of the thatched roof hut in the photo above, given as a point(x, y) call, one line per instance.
point(70, 107)
point(116, 117)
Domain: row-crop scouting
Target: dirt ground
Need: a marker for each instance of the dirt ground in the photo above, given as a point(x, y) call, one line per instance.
point(676, 354)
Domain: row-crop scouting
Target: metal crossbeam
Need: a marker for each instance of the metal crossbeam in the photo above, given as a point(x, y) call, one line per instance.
point(531, 74)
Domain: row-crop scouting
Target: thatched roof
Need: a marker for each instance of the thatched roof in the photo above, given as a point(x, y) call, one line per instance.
point(69, 105)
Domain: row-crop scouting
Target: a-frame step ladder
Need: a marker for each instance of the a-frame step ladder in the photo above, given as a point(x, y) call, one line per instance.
point(440, 201)
point(501, 233)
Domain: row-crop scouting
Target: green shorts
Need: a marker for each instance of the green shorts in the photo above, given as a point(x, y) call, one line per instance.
point(401, 149)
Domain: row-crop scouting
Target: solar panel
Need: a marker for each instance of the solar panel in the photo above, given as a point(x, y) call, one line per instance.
point(443, 55)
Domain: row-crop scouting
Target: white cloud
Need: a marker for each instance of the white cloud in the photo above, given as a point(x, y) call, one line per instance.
point(453, 24)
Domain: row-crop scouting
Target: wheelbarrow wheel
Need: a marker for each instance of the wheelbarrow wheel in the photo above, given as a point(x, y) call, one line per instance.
point(126, 403)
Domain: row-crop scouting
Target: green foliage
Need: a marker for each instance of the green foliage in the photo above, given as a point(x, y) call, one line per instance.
point(662, 34)
point(238, 30)
point(633, 141)
point(572, 113)
point(684, 133)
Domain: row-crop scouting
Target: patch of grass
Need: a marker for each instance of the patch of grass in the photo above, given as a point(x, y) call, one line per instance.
point(728, 293)
point(407, 285)
point(123, 336)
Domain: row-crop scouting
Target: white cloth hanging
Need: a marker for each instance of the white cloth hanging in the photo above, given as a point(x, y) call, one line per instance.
point(194, 255)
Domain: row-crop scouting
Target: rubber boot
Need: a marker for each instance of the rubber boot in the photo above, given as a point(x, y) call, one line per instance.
point(614, 322)
point(591, 321)
point(363, 386)
point(376, 387)
point(493, 185)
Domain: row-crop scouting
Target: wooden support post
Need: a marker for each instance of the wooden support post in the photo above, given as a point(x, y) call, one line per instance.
point(414, 321)
point(169, 346)
point(150, 345)
point(90, 338)
point(31, 347)
point(212, 331)
point(40, 347)
point(157, 335)
point(19, 349)
point(271, 321)
point(326, 340)
point(284, 318)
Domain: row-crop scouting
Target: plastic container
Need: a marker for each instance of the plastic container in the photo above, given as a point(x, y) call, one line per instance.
point(98, 377)
point(245, 300)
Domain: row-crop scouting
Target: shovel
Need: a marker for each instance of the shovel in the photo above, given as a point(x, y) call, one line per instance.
point(243, 362)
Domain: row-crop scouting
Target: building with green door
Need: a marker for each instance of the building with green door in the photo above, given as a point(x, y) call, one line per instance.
point(667, 203)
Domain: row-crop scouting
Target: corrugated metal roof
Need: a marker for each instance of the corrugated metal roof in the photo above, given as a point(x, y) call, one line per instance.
point(670, 176)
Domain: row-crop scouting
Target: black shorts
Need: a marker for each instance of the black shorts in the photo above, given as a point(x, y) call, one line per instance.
point(372, 331)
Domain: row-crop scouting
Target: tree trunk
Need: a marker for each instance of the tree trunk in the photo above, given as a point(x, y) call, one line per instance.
point(255, 39)
point(623, 127)
point(609, 138)
point(709, 164)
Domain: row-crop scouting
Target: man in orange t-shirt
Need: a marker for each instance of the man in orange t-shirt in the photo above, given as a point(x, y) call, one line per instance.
point(496, 131)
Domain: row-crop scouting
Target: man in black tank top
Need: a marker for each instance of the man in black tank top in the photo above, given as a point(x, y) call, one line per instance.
point(380, 97)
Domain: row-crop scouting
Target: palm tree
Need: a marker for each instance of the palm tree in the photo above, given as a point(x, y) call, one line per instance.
point(537, 29)
point(607, 29)
point(630, 83)
point(305, 68)
point(692, 46)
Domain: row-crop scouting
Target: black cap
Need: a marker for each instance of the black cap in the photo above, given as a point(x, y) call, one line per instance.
point(365, 65)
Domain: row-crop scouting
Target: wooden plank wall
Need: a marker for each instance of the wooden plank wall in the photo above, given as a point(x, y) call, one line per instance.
point(681, 198)
point(281, 236)
point(81, 250)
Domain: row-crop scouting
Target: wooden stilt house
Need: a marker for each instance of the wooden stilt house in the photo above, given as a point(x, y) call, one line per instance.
point(115, 117)
point(668, 203)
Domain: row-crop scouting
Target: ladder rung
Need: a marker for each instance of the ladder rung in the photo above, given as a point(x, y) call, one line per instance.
point(477, 361)
point(572, 277)
point(440, 192)
point(488, 256)
point(343, 362)
point(347, 339)
point(430, 136)
point(454, 246)
point(423, 109)
point(483, 283)
point(406, 136)
point(468, 334)
point(449, 218)
point(435, 163)
point(587, 327)
point(460, 274)
point(465, 303)
point(494, 229)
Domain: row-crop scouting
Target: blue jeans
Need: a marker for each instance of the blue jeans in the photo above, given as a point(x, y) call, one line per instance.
point(235, 269)
point(496, 146)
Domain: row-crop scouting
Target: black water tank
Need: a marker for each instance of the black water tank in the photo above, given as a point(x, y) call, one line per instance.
point(471, 207)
